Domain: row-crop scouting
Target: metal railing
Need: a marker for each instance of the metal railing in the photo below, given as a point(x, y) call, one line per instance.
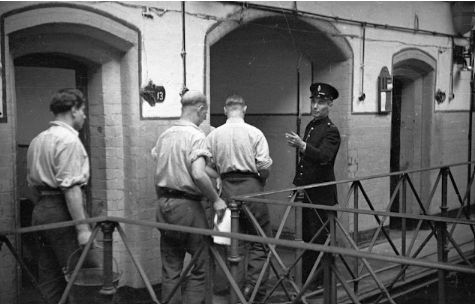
point(334, 280)
point(437, 225)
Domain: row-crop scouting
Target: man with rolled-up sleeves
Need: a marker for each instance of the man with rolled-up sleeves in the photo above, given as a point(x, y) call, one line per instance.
point(182, 184)
point(57, 170)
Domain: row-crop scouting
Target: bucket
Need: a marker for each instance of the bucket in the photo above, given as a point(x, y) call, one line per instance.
point(87, 285)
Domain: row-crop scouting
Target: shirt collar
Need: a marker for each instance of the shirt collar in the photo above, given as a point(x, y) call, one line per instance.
point(64, 125)
point(235, 120)
point(188, 124)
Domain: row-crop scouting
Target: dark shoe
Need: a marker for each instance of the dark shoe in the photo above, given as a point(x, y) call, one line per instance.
point(247, 292)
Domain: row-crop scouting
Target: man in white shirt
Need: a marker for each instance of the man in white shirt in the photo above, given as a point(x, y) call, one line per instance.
point(241, 157)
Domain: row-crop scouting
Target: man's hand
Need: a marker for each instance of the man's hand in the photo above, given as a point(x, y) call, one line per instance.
point(220, 208)
point(83, 236)
point(219, 183)
point(294, 140)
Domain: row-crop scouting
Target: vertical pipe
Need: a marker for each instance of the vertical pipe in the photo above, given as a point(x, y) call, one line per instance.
point(108, 288)
point(442, 240)
point(183, 50)
point(234, 257)
point(299, 120)
point(451, 81)
point(355, 232)
point(362, 95)
point(298, 210)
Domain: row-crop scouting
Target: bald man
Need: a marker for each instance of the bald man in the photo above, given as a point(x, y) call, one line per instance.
point(182, 183)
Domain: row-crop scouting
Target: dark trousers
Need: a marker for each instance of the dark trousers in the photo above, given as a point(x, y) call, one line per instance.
point(57, 247)
point(175, 244)
point(312, 221)
point(256, 253)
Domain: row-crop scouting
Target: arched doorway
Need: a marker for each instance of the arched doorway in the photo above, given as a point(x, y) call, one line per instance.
point(271, 60)
point(411, 123)
point(37, 76)
point(56, 45)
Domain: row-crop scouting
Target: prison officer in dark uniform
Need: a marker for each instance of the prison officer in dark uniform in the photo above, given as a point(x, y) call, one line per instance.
point(318, 150)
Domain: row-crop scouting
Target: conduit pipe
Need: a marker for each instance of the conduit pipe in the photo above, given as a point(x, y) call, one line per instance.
point(299, 113)
point(183, 50)
point(281, 10)
point(362, 96)
point(451, 82)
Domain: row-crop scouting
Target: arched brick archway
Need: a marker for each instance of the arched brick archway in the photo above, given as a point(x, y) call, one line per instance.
point(109, 53)
point(271, 59)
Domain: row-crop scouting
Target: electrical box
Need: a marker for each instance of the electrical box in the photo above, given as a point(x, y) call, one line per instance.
point(385, 88)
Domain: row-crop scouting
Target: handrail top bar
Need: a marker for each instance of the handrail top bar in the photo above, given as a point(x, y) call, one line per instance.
point(268, 201)
point(253, 238)
point(351, 180)
point(358, 211)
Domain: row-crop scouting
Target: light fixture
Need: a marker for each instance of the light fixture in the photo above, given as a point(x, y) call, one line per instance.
point(459, 55)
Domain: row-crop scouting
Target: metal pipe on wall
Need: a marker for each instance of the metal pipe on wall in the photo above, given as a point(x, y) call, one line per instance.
point(299, 114)
point(362, 95)
point(183, 50)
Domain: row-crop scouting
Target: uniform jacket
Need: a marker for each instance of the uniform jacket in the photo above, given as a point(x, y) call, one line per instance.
point(316, 164)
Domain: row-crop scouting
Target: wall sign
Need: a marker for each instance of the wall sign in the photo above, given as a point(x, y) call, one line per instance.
point(152, 93)
point(158, 103)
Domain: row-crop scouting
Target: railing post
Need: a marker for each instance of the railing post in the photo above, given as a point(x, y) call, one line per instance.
point(108, 288)
point(442, 240)
point(298, 238)
point(329, 280)
point(403, 220)
point(355, 233)
point(234, 257)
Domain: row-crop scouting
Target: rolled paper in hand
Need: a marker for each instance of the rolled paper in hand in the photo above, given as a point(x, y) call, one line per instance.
point(224, 226)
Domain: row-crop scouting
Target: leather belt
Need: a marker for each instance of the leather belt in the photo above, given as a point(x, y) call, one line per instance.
point(239, 174)
point(172, 193)
point(46, 190)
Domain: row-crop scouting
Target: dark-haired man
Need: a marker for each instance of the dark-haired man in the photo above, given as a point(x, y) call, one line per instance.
point(182, 183)
point(57, 168)
point(241, 157)
point(318, 150)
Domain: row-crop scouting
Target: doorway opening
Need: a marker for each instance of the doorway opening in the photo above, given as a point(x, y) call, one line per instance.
point(72, 46)
point(37, 78)
point(271, 60)
point(411, 125)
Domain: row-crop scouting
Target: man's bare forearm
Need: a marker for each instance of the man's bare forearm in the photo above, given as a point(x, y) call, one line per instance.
point(75, 206)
